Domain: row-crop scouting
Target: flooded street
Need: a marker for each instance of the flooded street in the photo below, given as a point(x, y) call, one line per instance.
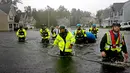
point(32, 57)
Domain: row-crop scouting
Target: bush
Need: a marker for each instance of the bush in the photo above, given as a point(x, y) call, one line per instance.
point(108, 26)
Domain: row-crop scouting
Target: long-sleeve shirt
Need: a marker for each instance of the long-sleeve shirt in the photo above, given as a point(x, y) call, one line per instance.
point(104, 41)
point(57, 31)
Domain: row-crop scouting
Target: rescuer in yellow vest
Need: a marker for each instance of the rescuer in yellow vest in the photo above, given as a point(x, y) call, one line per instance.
point(65, 41)
point(80, 35)
point(113, 44)
point(21, 34)
point(45, 34)
point(94, 30)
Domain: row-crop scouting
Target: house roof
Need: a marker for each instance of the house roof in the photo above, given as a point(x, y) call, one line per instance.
point(5, 7)
point(117, 6)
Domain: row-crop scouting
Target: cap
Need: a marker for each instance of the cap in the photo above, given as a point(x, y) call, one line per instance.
point(62, 27)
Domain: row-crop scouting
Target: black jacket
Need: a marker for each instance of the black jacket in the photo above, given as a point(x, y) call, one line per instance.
point(104, 41)
point(63, 35)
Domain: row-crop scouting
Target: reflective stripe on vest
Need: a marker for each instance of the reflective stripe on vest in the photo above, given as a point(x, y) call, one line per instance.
point(109, 44)
point(21, 32)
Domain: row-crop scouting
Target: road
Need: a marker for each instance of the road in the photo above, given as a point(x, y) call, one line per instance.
point(32, 57)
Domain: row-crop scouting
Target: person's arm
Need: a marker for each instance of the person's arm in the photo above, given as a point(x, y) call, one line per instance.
point(97, 30)
point(124, 48)
point(40, 31)
point(48, 34)
point(103, 42)
point(56, 41)
point(25, 33)
point(72, 39)
point(89, 30)
point(17, 33)
point(84, 32)
point(54, 30)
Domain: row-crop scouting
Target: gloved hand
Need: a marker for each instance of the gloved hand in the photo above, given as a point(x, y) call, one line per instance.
point(103, 54)
point(126, 57)
point(70, 47)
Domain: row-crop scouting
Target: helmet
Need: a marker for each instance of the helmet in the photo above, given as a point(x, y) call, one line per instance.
point(116, 24)
point(79, 25)
point(20, 26)
point(44, 26)
point(94, 25)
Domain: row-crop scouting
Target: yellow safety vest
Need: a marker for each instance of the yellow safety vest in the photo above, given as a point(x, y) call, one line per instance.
point(108, 45)
point(61, 43)
point(24, 33)
point(48, 37)
point(82, 31)
point(91, 30)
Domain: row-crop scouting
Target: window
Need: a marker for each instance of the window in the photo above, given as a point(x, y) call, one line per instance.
point(11, 17)
point(111, 14)
point(14, 25)
point(125, 23)
point(121, 13)
point(115, 14)
point(129, 23)
point(10, 25)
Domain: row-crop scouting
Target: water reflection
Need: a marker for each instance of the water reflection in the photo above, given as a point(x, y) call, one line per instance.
point(65, 65)
point(110, 69)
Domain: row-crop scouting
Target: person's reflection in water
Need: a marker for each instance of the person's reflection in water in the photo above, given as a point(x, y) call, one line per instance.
point(65, 65)
point(110, 69)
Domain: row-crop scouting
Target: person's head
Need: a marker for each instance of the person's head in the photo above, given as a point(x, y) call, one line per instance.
point(62, 29)
point(116, 27)
point(79, 26)
point(94, 25)
point(44, 27)
point(20, 26)
point(57, 27)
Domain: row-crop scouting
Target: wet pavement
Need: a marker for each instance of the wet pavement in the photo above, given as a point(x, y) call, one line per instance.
point(32, 57)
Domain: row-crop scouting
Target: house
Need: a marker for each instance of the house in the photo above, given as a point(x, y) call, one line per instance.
point(26, 21)
point(126, 11)
point(116, 14)
point(7, 17)
point(23, 17)
point(31, 22)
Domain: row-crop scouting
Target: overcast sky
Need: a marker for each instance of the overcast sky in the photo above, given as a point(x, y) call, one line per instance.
point(86, 5)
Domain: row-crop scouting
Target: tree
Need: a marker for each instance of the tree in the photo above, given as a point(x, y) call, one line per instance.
point(63, 21)
point(16, 1)
point(62, 12)
point(99, 16)
point(61, 16)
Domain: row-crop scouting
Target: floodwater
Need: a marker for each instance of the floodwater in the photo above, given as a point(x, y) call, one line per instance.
point(32, 57)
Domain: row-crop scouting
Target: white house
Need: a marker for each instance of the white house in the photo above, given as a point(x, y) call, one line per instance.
point(7, 17)
point(126, 11)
